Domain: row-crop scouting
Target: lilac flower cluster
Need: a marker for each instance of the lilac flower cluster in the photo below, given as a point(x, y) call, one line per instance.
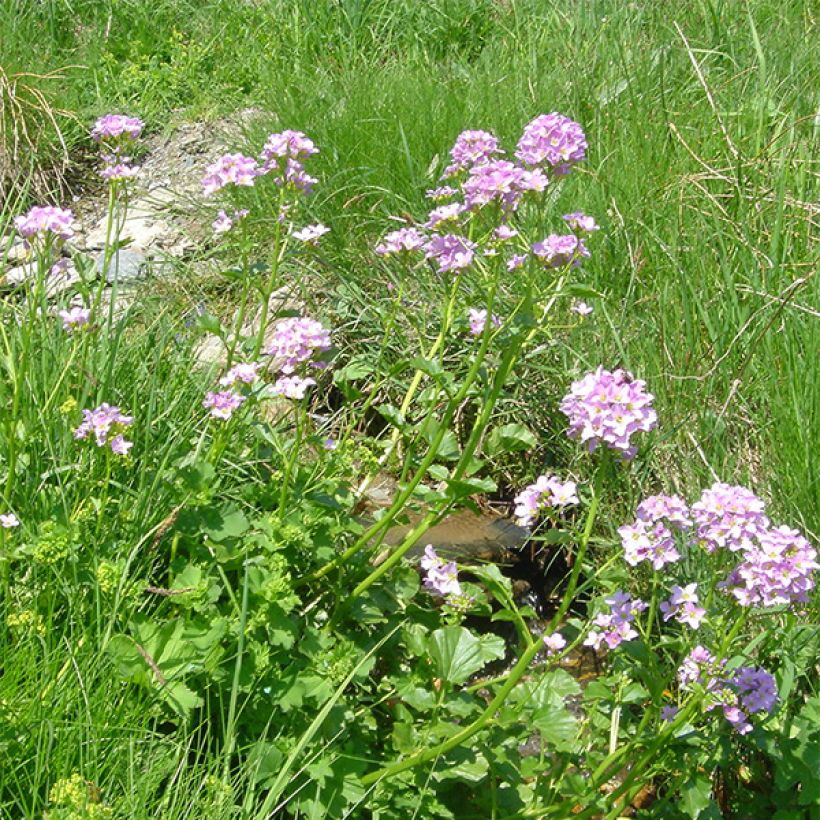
point(683, 606)
point(311, 234)
point(749, 690)
point(223, 223)
point(444, 215)
point(581, 308)
point(222, 403)
point(297, 342)
point(400, 241)
point(503, 182)
point(75, 318)
point(106, 424)
point(558, 251)
point(650, 537)
point(230, 169)
point(609, 407)
point(116, 134)
point(579, 222)
point(45, 222)
point(727, 516)
point(615, 626)
point(547, 491)
point(552, 140)
point(777, 569)
point(242, 373)
point(440, 577)
point(554, 643)
point(283, 157)
point(478, 321)
point(451, 252)
point(471, 148)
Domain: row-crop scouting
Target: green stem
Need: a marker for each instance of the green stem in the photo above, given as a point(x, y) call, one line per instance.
point(230, 731)
point(293, 455)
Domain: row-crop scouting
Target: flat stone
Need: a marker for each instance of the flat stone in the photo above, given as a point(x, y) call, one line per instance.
point(125, 265)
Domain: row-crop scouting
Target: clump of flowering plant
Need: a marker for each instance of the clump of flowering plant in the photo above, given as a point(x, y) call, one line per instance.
point(106, 425)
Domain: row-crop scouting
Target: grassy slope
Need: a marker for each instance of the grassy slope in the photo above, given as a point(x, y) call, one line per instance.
point(702, 136)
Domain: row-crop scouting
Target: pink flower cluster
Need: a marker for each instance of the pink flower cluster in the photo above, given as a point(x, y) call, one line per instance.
point(451, 252)
point(282, 156)
point(478, 321)
point(8, 521)
point(560, 250)
point(311, 234)
point(777, 569)
point(547, 491)
point(728, 516)
point(471, 148)
point(116, 134)
point(554, 643)
point(683, 606)
point(552, 140)
point(501, 181)
point(230, 169)
point(440, 577)
point(615, 626)
point(297, 342)
point(650, 538)
point(400, 241)
point(45, 222)
point(221, 404)
point(609, 407)
point(106, 424)
point(579, 222)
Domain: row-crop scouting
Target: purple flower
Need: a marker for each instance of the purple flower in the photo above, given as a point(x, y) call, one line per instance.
point(547, 491)
point(282, 157)
point(683, 605)
point(74, 318)
point(440, 577)
point(221, 404)
point(552, 140)
point(554, 643)
point(777, 569)
point(501, 181)
point(245, 373)
point(330, 444)
point(118, 171)
point(478, 320)
point(581, 308)
point(756, 689)
point(292, 387)
point(230, 169)
point(116, 126)
point(650, 537)
point(311, 233)
point(44, 222)
point(223, 223)
point(451, 252)
point(558, 251)
point(699, 666)
point(730, 517)
point(609, 407)
point(504, 232)
point(579, 222)
point(9, 521)
point(404, 239)
point(516, 261)
point(442, 192)
point(444, 214)
point(615, 627)
point(296, 341)
point(106, 424)
point(471, 148)
point(669, 713)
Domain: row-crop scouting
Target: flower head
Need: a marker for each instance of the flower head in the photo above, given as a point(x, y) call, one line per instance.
point(311, 233)
point(440, 577)
point(9, 521)
point(106, 423)
point(478, 320)
point(223, 223)
point(230, 169)
point(45, 222)
point(402, 240)
point(222, 404)
point(244, 373)
point(471, 148)
point(615, 627)
point(581, 308)
point(297, 340)
point(451, 252)
point(609, 407)
point(558, 251)
point(74, 318)
point(683, 606)
point(292, 387)
point(727, 516)
point(554, 643)
point(552, 140)
point(579, 222)
point(283, 155)
point(115, 127)
point(502, 182)
point(547, 491)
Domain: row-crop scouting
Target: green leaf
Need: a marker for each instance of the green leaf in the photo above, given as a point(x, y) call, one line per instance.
point(457, 653)
point(461, 488)
point(393, 415)
point(696, 795)
point(429, 366)
point(509, 439)
point(448, 449)
point(556, 725)
point(230, 523)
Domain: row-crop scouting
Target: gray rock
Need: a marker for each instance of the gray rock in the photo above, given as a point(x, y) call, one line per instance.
point(124, 266)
